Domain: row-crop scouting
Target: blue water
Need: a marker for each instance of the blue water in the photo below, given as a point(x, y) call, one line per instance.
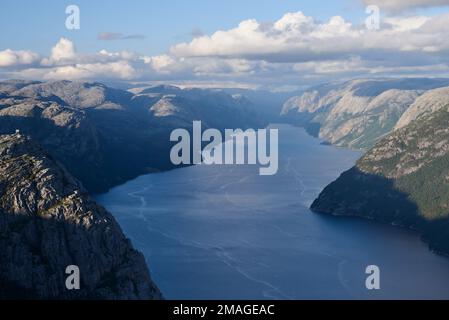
point(225, 232)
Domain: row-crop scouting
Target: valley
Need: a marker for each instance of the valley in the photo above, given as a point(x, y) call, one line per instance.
point(225, 232)
point(111, 138)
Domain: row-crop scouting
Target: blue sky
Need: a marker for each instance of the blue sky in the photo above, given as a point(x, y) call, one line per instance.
point(262, 43)
point(37, 25)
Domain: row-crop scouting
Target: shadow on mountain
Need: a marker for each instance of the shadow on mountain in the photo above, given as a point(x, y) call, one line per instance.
point(12, 291)
point(48, 222)
point(116, 151)
point(374, 197)
point(37, 250)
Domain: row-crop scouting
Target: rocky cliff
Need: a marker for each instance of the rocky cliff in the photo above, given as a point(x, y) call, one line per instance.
point(48, 222)
point(402, 180)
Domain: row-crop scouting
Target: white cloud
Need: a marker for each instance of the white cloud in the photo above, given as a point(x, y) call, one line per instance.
point(297, 38)
point(125, 55)
point(294, 36)
point(353, 64)
point(112, 70)
point(207, 66)
point(296, 49)
point(400, 5)
point(402, 24)
point(10, 58)
point(65, 62)
point(292, 21)
point(63, 52)
point(162, 63)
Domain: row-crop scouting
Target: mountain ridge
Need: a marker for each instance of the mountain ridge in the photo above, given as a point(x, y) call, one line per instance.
point(106, 136)
point(357, 113)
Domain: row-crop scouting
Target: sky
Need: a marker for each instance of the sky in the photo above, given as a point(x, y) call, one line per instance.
point(265, 43)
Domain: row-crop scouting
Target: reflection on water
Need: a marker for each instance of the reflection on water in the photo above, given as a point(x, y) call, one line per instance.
point(225, 232)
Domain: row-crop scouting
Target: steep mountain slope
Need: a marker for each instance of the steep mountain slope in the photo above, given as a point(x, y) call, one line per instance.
point(175, 107)
point(48, 222)
point(356, 113)
point(107, 136)
point(430, 101)
point(403, 180)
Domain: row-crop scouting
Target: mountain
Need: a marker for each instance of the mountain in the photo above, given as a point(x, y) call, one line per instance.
point(268, 103)
point(356, 113)
point(79, 95)
point(48, 222)
point(430, 101)
point(179, 107)
point(404, 179)
point(106, 136)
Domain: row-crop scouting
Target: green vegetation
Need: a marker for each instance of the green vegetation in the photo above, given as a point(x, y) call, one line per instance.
point(403, 180)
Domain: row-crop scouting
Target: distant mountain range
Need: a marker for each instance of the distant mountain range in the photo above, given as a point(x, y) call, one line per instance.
point(358, 113)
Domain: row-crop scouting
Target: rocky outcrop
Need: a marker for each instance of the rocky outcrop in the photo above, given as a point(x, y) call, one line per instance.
point(48, 222)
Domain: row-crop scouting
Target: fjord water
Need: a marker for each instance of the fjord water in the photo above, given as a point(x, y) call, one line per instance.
point(225, 232)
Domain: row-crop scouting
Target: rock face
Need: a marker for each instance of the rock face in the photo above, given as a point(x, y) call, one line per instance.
point(106, 136)
point(48, 222)
point(357, 113)
point(402, 180)
point(430, 101)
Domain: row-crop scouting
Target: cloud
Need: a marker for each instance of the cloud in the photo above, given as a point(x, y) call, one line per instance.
point(353, 64)
point(10, 58)
point(124, 55)
point(162, 63)
point(166, 64)
point(293, 37)
point(64, 62)
point(298, 38)
point(108, 36)
point(64, 51)
point(294, 50)
point(402, 5)
point(112, 70)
